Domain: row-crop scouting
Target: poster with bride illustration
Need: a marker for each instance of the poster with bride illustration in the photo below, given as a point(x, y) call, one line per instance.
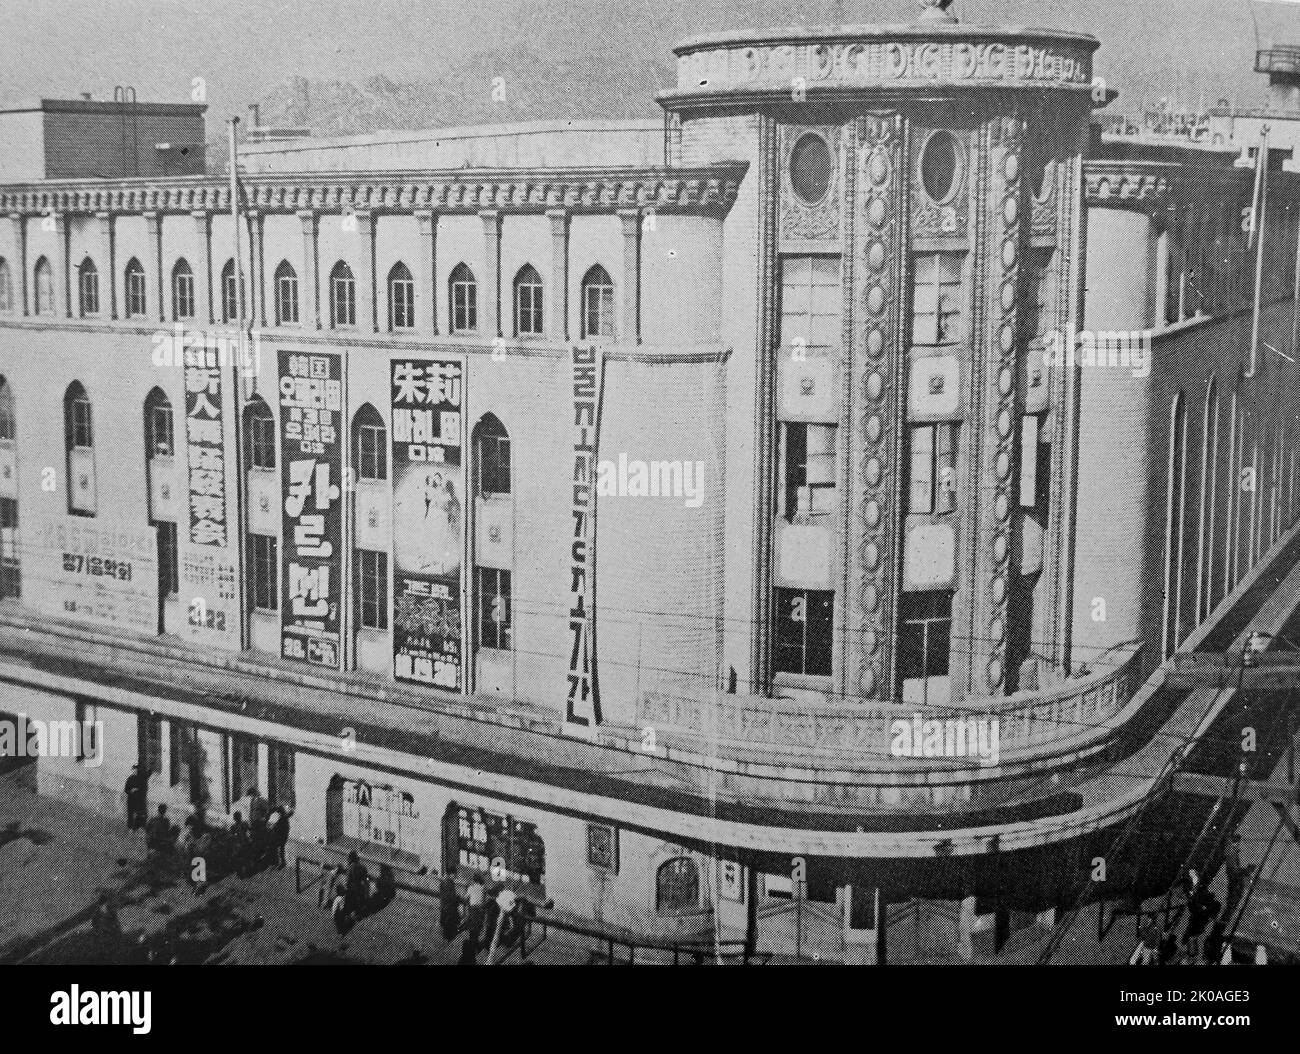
point(428, 521)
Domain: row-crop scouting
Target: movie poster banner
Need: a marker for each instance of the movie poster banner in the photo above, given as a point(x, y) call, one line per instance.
point(97, 572)
point(428, 525)
point(583, 698)
point(208, 567)
point(311, 472)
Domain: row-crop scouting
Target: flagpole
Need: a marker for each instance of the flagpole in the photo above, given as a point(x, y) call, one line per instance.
point(1257, 220)
point(236, 381)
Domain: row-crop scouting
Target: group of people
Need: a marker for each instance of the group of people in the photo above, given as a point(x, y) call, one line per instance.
point(350, 893)
point(493, 914)
point(1204, 939)
point(247, 846)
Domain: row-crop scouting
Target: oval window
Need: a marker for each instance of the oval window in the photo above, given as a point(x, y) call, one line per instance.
point(810, 168)
point(941, 167)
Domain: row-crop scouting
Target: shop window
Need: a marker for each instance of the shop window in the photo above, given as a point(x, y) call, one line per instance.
point(182, 291)
point(463, 294)
point(502, 848)
point(932, 468)
point(401, 298)
point(528, 302)
point(343, 296)
point(370, 453)
point(243, 767)
point(937, 298)
point(88, 287)
point(44, 276)
point(808, 467)
point(280, 762)
point(286, 295)
point(597, 303)
point(372, 589)
point(150, 745)
point(135, 289)
point(492, 607)
point(263, 573)
point(803, 620)
point(677, 886)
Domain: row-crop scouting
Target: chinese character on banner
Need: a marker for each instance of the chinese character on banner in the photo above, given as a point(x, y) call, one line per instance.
point(311, 477)
point(204, 439)
point(428, 527)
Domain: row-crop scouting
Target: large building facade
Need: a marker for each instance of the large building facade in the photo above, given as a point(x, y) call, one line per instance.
point(604, 505)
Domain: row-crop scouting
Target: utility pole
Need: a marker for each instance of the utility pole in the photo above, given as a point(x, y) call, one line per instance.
point(237, 359)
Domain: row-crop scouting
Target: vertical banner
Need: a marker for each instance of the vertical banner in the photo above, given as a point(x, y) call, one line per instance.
point(209, 577)
point(311, 468)
point(428, 517)
point(583, 705)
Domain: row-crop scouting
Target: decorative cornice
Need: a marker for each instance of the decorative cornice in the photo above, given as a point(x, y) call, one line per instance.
point(1147, 184)
point(708, 189)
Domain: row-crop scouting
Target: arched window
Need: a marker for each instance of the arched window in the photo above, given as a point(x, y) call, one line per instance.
point(491, 457)
point(8, 420)
point(88, 287)
point(286, 295)
point(1209, 488)
point(259, 435)
point(44, 287)
point(10, 584)
point(528, 302)
point(231, 293)
point(370, 444)
point(6, 288)
point(1174, 523)
point(182, 291)
point(597, 303)
point(159, 440)
point(136, 303)
point(79, 439)
point(343, 296)
point(401, 298)
point(463, 293)
point(677, 886)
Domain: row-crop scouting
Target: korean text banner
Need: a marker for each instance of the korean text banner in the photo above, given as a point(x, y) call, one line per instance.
point(98, 572)
point(311, 469)
point(428, 531)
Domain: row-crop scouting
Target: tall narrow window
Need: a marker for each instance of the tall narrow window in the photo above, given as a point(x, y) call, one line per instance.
point(372, 589)
point(932, 468)
point(1174, 520)
point(8, 415)
point(808, 467)
point(286, 295)
point(597, 303)
point(925, 632)
point(401, 298)
point(463, 294)
point(150, 745)
point(169, 579)
point(492, 607)
point(182, 291)
point(492, 456)
point(79, 439)
point(10, 581)
point(263, 572)
point(343, 296)
point(158, 436)
point(259, 431)
point(1034, 464)
point(232, 288)
point(44, 276)
point(370, 452)
point(811, 295)
point(88, 288)
point(803, 622)
point(528, 302)
point(937, 298)
point(136, 301)
point(6, 288)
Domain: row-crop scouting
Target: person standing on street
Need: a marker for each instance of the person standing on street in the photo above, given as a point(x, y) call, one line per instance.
point(137, 799)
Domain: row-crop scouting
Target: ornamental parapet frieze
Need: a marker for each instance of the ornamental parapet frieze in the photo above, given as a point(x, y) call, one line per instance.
point(710, 189)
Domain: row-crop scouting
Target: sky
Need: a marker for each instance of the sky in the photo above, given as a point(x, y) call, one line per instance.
point(1192, 50)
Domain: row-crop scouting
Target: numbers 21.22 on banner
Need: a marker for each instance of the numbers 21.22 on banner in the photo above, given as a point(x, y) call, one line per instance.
point(311, 404)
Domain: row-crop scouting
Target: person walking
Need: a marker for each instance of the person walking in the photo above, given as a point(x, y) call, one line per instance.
point(474, 906)
point(240, 845)
point(106, 929)
point(137, 799)
point(448, 907)
point(358, 886)
point(468, 951)
point(160, 835)
point(278, 837)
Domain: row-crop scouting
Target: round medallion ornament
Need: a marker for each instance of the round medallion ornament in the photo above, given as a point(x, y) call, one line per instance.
point(1007, 339)
point(1005, 377)
point(1000, 547)
point(876, 257)
point(1000, 507)
point(873, 471)
point(873, 428)
point(879, 169)
point(877, 212)
point(871, 513)
point(870, 597)
point(1004, 423)
point(1003, 465)
point(1008, 254)
point(1010, 211)
point(995, 673)
point(1011, 168)
point(875, 386)
point(999, 589)
point(875, 343)
point(868, 680)
point(875, 300)
point(996, 630)
point(871, 556)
